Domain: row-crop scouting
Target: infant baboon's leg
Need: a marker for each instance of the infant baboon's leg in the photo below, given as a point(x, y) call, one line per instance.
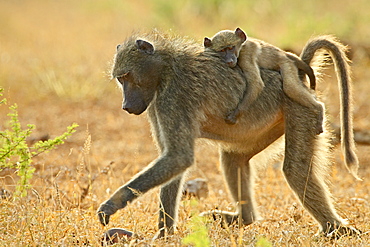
point(169, 199)
point(239, 178)
point(304, 69)
point(247, 61)
point(295, 90)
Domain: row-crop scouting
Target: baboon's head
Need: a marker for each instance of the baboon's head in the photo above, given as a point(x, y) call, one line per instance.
point(228, 44)
point(137, 68)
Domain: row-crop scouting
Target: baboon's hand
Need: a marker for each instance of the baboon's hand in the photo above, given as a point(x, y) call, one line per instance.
point(103, 218)
point(105, 211)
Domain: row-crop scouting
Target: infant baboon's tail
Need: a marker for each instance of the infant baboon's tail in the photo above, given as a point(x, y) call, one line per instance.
point(337, 52)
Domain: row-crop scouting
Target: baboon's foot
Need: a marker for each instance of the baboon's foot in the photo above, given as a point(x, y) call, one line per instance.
point(224, 217)
point(341, 231)
point(320, 122)
point(319, 128)
point(230, 120)
point(320, 119)
point(232, 117)
point(104, 212)
point(164, 232)
point(160, 234)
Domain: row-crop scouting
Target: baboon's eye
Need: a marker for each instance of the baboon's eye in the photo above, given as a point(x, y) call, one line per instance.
point(228, 48)
point(123, 77)
point(120, 79)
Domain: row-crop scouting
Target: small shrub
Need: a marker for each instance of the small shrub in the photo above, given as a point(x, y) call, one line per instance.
point(16, 153)
point(263, 242)
point(199, 232)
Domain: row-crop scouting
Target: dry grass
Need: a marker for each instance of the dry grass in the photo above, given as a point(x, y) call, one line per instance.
point(53, 60)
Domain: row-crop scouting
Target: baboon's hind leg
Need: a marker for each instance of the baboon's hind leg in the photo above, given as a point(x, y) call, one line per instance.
point(239, 178)
point(305, 168)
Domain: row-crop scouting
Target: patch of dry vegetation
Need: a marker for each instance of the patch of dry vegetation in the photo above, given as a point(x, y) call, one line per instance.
point(53, 61)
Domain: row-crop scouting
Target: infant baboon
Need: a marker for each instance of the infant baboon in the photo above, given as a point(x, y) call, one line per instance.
point(250, 55)
point(187, 92)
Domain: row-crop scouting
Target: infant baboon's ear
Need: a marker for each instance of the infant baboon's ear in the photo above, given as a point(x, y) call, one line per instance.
point(207, 42)
point(241, 34)
point(145, 46)
point(118, 46)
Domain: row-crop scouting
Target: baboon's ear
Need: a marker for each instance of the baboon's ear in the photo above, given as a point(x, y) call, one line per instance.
point(118, 46)
point(241, 34)
point(145, 46)
point(207, 42)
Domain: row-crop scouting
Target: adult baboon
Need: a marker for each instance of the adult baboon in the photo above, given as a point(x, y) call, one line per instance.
point(188, 92)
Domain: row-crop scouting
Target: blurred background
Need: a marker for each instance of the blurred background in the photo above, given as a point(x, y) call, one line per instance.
point(55, 58)
point(65, 47)
point(61, 51)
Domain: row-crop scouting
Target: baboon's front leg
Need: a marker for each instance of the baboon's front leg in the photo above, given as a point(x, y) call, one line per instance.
point(161, 171)
point(169, 199)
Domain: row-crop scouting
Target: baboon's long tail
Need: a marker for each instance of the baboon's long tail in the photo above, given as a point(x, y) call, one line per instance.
point(337, 52)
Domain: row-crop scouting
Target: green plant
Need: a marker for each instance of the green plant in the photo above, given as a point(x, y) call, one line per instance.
point(16, 153)
point(263, 242)
point(199, 232)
